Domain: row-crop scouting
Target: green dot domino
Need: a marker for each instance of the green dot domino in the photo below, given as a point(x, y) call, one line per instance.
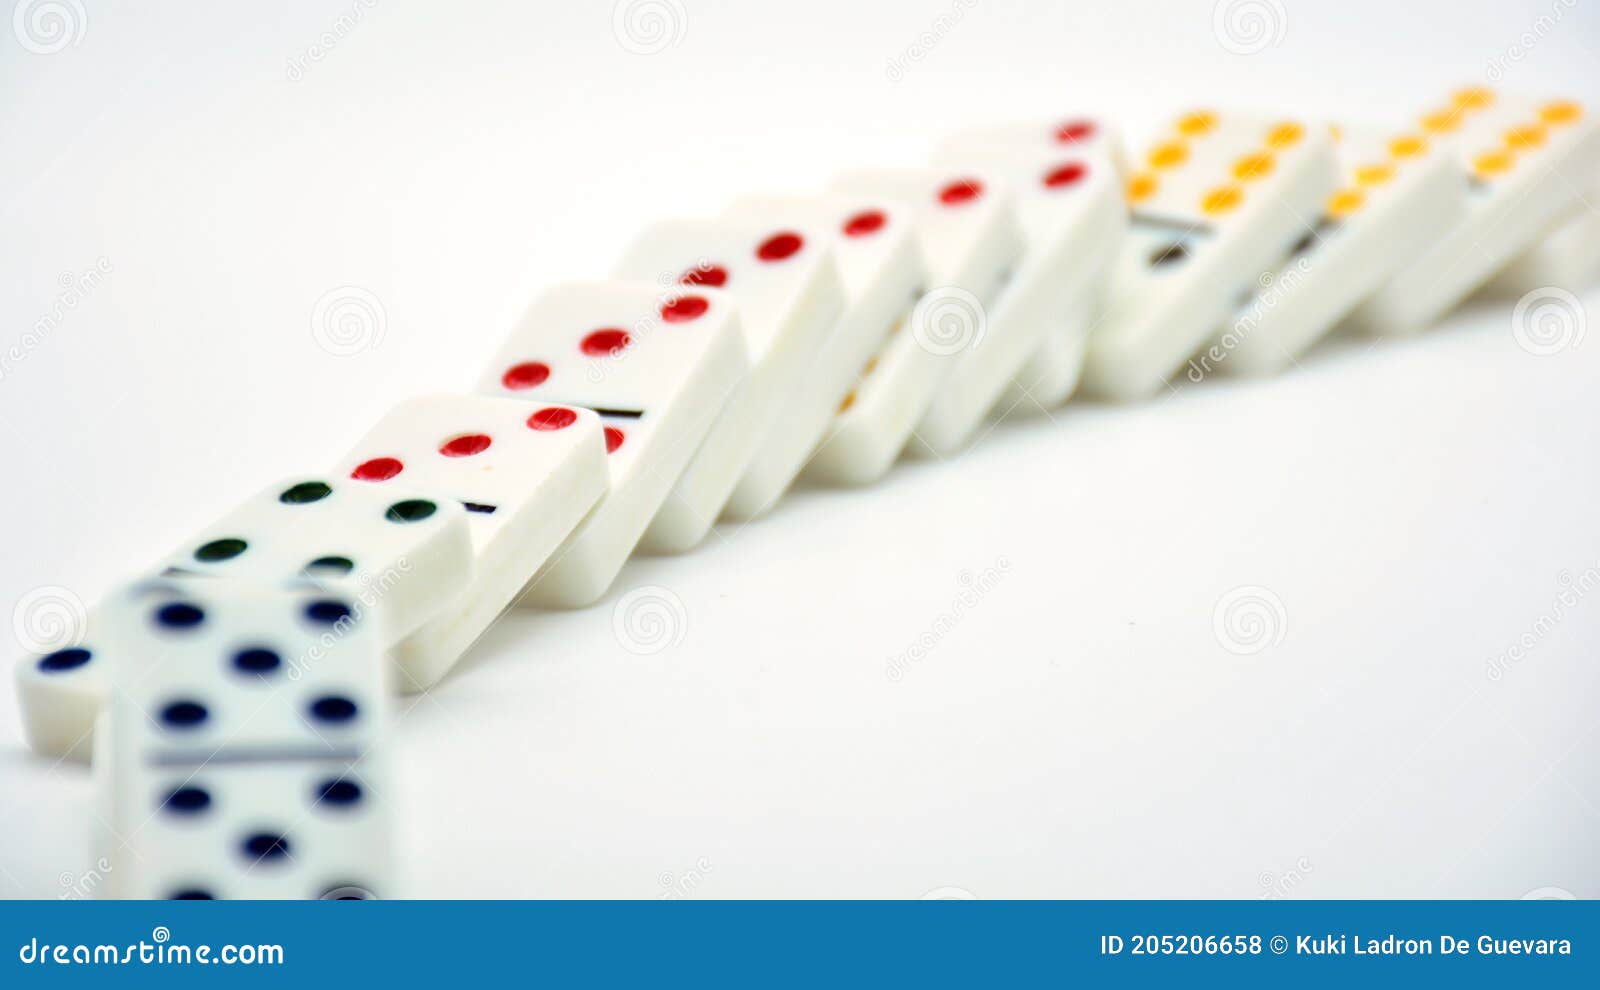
point(219, 550)
point(411, 510)
point(306, 491)
point(325, 565)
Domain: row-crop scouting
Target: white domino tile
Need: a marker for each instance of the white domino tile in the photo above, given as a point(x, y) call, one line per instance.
point(1567, 256)
point(1073, 220)
point(400, 555)
point(1401, 193)
point(527, 476)
point(790, 297)
point(658, 366)
point(1530, 163)
point(61, 692)
point(955, 360)
point(1220, 198)
point(1077, 135)
point(247, 745)
point(884, 275)
point(1052, 374)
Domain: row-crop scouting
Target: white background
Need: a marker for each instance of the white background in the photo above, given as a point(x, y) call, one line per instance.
point(1413, 507)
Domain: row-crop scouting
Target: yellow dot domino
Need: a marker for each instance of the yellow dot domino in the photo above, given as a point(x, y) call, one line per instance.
point(1283, 135)
point(1473, 98)
point(1345, 202)
point(1492, 164)
point(1197, 123)
point(1169, 154)
point(1374, 175)
point(1409, 146)
point(1223, 199)
point(1141, 187)
point(1442, 121)
point(1560, 113)
point(1253, 166)
point(1525, 138)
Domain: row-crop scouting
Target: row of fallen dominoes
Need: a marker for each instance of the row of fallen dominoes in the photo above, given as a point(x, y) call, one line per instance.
point(238, 725)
